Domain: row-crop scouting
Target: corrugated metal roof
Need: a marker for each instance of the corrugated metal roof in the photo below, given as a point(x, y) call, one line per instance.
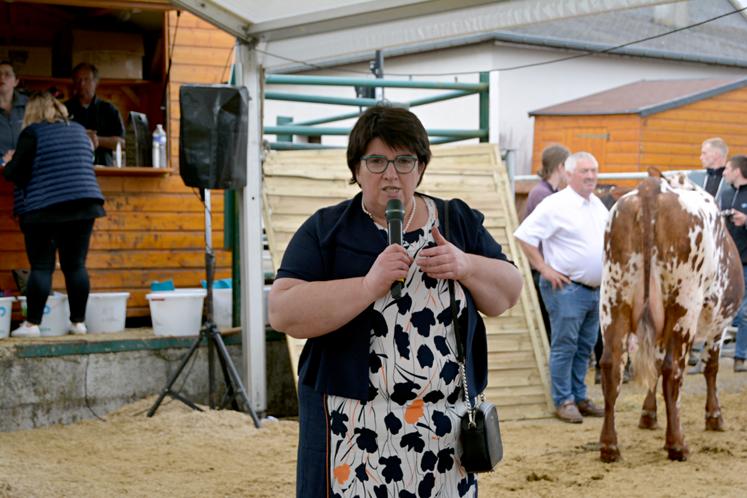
point(723, 38)
point(643, 97)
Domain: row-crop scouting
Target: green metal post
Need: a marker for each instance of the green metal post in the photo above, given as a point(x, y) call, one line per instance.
point(315, 131)
point(485, 106)
point(327, 99)
point(290, 79)
point(284, 120)
point(301, 146)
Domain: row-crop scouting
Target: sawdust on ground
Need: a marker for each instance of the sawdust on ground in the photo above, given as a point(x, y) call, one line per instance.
point(179, 452)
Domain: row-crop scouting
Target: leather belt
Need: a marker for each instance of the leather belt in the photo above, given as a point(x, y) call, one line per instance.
point(588, 287)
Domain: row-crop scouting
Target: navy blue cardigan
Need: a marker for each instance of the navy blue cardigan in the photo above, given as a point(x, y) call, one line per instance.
point(341, 242)
point(61, 169)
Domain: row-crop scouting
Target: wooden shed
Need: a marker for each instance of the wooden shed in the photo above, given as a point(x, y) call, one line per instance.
point(154, 228)
point(660, 123)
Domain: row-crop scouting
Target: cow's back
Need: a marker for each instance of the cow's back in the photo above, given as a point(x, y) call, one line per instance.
point(693, 266)
point(672, 275)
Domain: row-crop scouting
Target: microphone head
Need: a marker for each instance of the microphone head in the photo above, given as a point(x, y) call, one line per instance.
point(395, 210)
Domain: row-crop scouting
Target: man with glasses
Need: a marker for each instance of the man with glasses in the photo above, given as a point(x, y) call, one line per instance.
point(570, 226)
point(100, 118)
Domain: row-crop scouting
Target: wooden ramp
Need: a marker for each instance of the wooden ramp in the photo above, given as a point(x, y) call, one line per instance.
point(297, 183)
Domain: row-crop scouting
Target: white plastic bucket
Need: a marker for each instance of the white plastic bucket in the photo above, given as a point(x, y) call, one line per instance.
point(177, 312)
point(223, 308)
point(6, 309)
point(56, 316)
point(106, 312)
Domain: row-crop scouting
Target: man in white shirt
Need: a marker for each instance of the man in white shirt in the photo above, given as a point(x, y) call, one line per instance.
point(570, 226)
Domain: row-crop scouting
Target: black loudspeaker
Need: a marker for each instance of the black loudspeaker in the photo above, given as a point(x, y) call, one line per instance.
point(214, 129)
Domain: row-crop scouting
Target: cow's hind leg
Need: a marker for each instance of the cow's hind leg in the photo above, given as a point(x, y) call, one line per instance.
point(611, 366)
point(671, 385)
point(648, 411)
point(713, 419)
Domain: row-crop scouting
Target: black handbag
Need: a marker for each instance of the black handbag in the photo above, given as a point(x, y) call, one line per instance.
point(480, 430)
point(481, 438)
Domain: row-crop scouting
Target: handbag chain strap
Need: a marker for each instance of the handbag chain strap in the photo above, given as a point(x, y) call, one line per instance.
point(458, 332)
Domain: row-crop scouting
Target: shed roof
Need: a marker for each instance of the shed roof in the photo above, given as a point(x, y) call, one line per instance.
point(644, 97)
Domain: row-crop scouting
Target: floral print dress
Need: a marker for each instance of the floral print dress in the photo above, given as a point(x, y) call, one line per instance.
point(403, 442)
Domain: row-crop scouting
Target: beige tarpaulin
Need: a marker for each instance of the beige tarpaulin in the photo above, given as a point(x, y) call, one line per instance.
point(298, 183)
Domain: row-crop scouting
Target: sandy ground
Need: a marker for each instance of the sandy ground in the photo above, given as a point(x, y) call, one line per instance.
point(217, 454)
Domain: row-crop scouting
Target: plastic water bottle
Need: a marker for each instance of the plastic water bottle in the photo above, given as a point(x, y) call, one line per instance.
point(118, 161)
point(159, 147)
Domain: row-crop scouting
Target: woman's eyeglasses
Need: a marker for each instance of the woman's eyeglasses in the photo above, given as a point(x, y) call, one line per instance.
point(378, 164)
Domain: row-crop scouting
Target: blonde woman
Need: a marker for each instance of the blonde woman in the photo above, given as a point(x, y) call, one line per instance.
point(56, 199)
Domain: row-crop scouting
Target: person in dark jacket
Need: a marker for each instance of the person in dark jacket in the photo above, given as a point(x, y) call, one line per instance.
point(12, 105)
point(733, 203)
point(56, 199)
point(101, 119)
point(552, 175)
point(380, 393)
point(713, 154)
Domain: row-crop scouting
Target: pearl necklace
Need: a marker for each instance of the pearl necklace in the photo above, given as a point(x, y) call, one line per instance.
point(409, 219)
point(412, 214)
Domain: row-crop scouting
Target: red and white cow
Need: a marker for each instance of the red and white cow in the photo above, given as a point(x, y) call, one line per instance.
point(672, 275)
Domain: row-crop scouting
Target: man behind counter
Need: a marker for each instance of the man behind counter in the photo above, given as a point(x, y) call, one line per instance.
point(100, 118)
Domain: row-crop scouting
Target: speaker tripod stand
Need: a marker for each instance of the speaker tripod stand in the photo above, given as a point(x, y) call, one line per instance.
point(209, 332)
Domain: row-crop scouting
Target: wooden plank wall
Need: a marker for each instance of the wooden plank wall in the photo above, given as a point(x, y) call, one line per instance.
point(613, 139)
point(154, 229)
point(672, 139)
point(298, 183)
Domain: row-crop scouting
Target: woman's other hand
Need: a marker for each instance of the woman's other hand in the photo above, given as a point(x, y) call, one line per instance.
point(495, 285)
point(391, 265)
point(445, 260)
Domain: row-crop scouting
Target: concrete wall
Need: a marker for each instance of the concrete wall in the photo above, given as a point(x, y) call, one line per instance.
point(40, 391)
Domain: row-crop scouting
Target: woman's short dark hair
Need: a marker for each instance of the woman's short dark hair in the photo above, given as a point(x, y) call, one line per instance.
point(552, 157)
point(396, 127)
point(740, 162)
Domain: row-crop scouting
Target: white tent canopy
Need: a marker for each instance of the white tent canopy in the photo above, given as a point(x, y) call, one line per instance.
point(320, 30)
point(273, 35)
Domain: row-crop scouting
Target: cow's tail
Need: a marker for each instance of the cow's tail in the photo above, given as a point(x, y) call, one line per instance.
point(643, 357)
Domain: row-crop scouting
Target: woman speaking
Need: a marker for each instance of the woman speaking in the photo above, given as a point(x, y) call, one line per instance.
point(56, 199)
point(379, 392)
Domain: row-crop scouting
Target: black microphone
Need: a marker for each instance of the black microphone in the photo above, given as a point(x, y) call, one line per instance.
point(395, 214)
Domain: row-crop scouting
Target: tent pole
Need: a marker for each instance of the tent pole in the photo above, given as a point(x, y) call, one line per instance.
point(251, 75)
